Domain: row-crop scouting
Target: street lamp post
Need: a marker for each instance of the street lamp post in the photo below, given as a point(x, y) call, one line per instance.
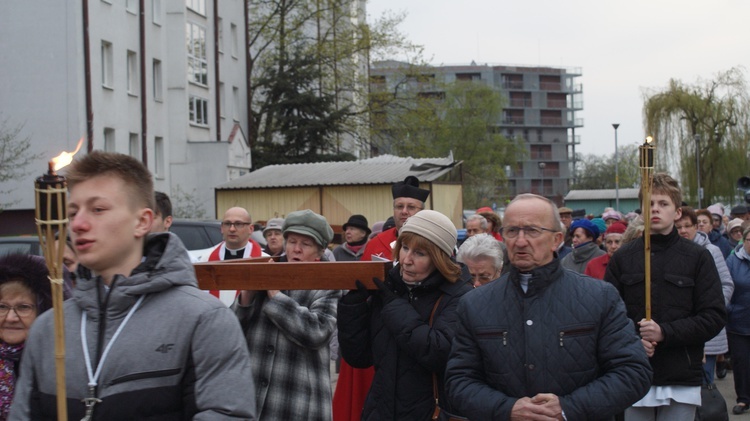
point(697, 138)
point(542, 166)
point(617, 171)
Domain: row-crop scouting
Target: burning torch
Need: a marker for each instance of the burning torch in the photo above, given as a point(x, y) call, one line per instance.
point(647, 178)
point(52, 218)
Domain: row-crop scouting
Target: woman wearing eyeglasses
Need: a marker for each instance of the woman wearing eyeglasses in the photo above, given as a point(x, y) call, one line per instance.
point(24, 294)
point(483, 257)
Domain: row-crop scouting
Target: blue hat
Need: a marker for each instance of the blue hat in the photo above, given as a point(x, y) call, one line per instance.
point(587, 225)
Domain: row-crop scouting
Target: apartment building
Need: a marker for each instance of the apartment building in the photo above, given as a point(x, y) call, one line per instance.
point(161, 80)
point(542, 107)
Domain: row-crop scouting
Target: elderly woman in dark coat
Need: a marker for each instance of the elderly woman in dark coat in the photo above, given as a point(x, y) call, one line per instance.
point(393, 330)
point(24, 294)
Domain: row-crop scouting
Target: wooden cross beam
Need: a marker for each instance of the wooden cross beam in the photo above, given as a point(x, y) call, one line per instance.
point(260, 274)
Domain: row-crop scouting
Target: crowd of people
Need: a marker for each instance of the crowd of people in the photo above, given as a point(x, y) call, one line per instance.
point(534, 316)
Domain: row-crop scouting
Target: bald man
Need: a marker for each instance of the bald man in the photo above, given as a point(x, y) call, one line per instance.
point(236, 228)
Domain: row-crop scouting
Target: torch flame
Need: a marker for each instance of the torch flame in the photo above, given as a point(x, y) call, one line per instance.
point(65, 158)
point(649, 140)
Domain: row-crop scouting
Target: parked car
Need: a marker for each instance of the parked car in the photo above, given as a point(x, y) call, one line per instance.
point(26, 244)
point(199, 236)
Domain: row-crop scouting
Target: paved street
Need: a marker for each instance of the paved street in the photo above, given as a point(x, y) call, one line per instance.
point(726, 386)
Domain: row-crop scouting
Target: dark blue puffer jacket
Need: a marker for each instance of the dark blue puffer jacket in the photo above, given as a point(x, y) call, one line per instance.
point(568, 335)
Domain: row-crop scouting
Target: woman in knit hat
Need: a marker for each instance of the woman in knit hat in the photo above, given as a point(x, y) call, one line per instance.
point(612, 241)
point(405, 328)
point(584, 234)
point(24, 294)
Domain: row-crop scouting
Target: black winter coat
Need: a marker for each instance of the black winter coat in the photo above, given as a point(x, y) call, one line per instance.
point(686, 302)
point(398, 341)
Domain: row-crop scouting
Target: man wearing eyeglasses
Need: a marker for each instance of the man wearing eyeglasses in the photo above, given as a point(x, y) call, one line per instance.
point(236, 228)
point(408, 199)
point(543, 342)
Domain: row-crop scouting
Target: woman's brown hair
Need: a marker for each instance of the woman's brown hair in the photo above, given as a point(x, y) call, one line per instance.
point(443, 263)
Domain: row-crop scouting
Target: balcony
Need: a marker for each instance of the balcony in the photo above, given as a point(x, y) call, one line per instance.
point(520, 102)
point(513, 84)
point(513, 120)
point(540, 155)
point(551, 121)
point(550, 86)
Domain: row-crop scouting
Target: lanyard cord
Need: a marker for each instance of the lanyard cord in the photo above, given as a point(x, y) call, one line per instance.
point(94, 377)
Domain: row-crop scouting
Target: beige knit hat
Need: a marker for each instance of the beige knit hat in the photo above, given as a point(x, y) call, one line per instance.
point(435, 227)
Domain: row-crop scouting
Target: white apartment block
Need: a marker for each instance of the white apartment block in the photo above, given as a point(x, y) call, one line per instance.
point(161, 80)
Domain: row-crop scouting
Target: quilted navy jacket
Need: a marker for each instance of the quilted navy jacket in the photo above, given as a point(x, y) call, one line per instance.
point(567, 335)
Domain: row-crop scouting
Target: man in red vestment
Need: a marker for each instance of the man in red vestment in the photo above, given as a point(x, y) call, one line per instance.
point(236, 228)
point(353, 383)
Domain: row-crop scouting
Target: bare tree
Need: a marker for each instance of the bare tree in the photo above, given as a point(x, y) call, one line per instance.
point(717, 112)
point(15, 156)
point(186, 205)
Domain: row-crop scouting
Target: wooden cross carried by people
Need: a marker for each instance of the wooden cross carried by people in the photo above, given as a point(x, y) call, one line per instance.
point(260, 274)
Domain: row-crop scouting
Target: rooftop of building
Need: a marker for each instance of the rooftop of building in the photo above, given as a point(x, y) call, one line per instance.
point(383, 169)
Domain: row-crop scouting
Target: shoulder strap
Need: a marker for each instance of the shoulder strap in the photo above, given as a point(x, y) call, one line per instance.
point(434, 375)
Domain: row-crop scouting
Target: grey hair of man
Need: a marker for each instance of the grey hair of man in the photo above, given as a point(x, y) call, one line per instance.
point(481, 246)
point(553, 208)
point(482, 221)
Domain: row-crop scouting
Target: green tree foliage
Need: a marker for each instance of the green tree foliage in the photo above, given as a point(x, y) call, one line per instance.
point(598, 172)
point(15, 156)
point(300, 122)
point(717, 110)
point(460, 117)
point(322, 48)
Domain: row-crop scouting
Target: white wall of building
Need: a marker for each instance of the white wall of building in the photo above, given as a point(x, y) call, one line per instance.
point(44, 86)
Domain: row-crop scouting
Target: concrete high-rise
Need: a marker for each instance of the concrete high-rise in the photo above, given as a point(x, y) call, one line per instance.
point(542, 108)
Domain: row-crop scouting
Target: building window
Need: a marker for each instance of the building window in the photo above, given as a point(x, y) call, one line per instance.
point(221, 35)
point(132, 73)
point(236, 103)
point(235, 43)
point(109, 140)
point(222, 98)
point(198, 6)
point(158, 157)
point(135, 146)
point(198, 110)
point(157, 80)
point(196, 54)
point(156, 11)
point(107, 64)
point(131, 6)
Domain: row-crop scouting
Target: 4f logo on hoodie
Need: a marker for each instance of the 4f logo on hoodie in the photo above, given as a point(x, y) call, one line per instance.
point(164, 348)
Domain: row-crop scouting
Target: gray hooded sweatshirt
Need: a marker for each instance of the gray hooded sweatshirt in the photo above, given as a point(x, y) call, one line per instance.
point(181, 355)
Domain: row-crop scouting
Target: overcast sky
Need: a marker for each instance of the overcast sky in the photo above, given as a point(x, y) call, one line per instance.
point(622, 48)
